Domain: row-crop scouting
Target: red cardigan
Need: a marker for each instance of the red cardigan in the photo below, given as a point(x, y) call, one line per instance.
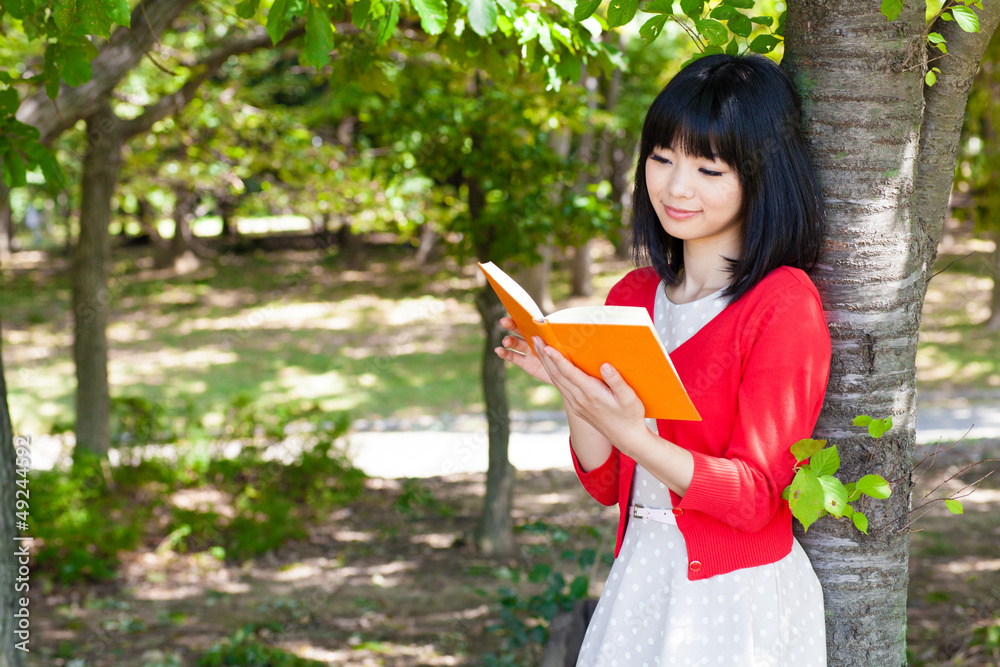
point(757, 372)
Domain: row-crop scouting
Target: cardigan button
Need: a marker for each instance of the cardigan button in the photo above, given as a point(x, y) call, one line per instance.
point(678, 511)
point(695, 565)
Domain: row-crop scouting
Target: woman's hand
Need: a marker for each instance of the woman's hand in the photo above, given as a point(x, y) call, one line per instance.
point(611, 406)
point(518, 352)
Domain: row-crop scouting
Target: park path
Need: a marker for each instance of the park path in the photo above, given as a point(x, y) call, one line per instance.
point(442, 445)
point(539, 440)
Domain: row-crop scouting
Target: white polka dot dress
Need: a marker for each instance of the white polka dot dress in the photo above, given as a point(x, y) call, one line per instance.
point(651, 615)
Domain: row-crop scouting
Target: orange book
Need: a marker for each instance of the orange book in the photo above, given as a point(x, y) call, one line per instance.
point(623, 336)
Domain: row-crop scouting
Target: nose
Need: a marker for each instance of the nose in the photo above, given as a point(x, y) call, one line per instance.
point(679, 183)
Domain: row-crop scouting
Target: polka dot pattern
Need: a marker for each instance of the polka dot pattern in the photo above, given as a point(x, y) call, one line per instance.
point(651, 614)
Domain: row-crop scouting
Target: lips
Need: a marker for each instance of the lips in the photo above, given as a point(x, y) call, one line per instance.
point(678, 213)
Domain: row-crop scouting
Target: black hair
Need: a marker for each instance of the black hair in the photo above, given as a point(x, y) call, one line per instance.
point(745, 111)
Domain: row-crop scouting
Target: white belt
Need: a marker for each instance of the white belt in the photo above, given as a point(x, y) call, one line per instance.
point(663, 515)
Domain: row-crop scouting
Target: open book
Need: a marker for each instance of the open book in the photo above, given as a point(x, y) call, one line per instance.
point(622, 336)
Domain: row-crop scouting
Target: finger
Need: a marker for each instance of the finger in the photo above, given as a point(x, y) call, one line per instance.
point(508, 324)
point(516, 344)
point(623, 393)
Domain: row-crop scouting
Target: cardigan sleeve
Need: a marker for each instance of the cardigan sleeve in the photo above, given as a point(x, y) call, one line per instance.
point(786, 367)
point(602, 481)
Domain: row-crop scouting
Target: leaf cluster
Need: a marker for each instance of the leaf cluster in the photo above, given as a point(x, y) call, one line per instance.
point(815, 492)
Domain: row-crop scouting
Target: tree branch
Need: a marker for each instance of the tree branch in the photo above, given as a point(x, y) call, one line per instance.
point(944, 113)
point(117, 58)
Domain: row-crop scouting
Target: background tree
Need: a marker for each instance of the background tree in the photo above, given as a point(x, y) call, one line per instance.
point(978, 173)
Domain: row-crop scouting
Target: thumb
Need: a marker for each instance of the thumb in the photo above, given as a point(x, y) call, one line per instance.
point(616, 382)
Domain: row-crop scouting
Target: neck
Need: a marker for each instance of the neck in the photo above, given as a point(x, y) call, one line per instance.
point(705, 269)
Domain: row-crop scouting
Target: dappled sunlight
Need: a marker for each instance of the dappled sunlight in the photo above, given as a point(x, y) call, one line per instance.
point(968, 565)
point(436, 540)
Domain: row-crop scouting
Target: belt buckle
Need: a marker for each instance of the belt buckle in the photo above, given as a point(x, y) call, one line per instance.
point(638, 511)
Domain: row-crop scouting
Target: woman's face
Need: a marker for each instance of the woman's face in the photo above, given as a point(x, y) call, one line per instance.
point(696, 199)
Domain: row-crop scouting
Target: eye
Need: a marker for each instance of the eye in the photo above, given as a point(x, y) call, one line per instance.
point(709, 172)
point(657, 158)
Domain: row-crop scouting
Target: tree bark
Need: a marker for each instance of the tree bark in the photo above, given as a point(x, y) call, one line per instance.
point(6, 223)
point(494, 534)
point(993, 324)
point(181, 254)
point(583, 279)
point(10, 656)
point(101, 166)
point(868, 128)
point(495, 531)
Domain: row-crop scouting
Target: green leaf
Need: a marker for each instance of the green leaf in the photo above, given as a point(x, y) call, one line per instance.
point(359, 13)
point(9, 102)
point(247, 8)
point(806, 447)
point(742, 4)
point(76, 68)
point(860, 521)
point(834, 495)
point(862, 420)
point(93, 18)
point(935, 38)
point(806, 497)
point(930, 78)
point(585, 8)
point(878, 427)
point(954, 506)
point(741, 25)
point(764, 43)
point(852, 491)
point(621, 12)
point(63, 13)
point(724, 12)
point(892, 8)
point(319, 36)
point(277, 20)
point(433, 15)
point(732, 48)
point(53, 173)
point(692, 8)
point(386, 25)
point(482, 16)
point(578, 589)
point(539, 572)
point(118, 11)
point(874, 486)
point(825, 461)
point(714, 31)
point(848, 511)
point(650, 30)
point(945, 16)
point(14, 174)
point(966, 18)
point(659, 7)
point(762, 20)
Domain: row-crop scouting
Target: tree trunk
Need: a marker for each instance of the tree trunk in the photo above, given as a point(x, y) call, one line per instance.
point(428, 239)
point(863, 114)
point(494, 534)
point(615, 161)
point(181, 255)
point(993, 324)
point(10, 656)
point(535, 279)
point(6, 223)
point(583, 279)
point(90, 295)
